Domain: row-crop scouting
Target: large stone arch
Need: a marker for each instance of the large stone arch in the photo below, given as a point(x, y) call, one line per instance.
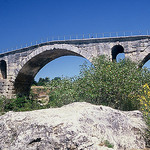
point(31, 65)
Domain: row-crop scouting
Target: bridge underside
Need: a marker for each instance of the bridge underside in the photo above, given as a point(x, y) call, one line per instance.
point(26, 75)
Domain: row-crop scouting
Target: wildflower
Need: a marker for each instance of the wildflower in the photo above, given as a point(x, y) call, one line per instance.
point(146, 86)
point(143, 98)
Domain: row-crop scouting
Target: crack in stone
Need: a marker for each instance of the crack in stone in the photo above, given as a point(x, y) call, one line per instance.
point(35, 140)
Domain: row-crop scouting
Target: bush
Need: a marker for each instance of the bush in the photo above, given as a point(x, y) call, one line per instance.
point(145, 108)
point(18, 104)
point(108, 83)
point(112, 84)
point(62, 92)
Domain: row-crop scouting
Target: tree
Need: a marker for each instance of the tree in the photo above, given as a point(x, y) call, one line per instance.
point(108, 83)
point(43, 81)
point(112, 84)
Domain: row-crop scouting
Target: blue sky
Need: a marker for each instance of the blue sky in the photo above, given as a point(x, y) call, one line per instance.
point(25, 21)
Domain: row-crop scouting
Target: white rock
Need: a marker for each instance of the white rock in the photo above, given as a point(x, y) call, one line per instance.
point(77, 126)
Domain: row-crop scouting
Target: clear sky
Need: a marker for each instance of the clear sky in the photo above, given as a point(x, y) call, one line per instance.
point(25, 21)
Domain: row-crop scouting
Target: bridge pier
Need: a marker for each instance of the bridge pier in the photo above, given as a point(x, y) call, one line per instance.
point(7, 88)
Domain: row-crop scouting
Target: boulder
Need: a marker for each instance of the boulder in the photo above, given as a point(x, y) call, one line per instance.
point(77, 126)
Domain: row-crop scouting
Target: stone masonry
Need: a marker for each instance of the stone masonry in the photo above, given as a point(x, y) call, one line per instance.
point(18, 68)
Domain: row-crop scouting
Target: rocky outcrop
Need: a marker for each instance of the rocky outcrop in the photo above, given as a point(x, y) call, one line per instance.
point(77, 126)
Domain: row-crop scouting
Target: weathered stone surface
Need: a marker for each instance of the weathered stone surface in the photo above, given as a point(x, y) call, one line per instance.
point(77, 126)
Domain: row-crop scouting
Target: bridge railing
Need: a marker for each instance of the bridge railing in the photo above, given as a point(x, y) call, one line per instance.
point(79, 37)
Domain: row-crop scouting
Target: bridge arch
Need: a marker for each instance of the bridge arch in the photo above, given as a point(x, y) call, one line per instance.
point(3, 69)
point(116, 50)
point(146, 58)
point(37, 60)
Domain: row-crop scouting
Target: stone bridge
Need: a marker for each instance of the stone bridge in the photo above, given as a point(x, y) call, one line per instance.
point(18, 68)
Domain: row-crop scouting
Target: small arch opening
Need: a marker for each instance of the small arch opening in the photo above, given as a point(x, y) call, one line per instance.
point(117, 50)
point(3, 69)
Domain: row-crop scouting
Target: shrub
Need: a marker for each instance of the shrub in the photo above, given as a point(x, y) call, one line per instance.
point(108, 83)
point(18, 104)
point(108, 144)
point(62, 92)
point(112, 84)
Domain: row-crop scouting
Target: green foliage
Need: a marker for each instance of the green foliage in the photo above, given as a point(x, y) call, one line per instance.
point(108, 83)
point(57, 78)
point(18, 104)
point(108, 144)
point(62, 92)
point(112, 84)
point(144, 99)
point(3, 102)
point(42, 81)
point(34, 83)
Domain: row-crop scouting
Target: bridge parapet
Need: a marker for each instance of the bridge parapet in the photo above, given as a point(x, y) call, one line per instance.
point(83, 36)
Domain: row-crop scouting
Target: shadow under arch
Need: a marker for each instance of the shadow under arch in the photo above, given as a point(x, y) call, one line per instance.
point(27, 73)
point(3, 69)
point(116, 50)
point(146, 58)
